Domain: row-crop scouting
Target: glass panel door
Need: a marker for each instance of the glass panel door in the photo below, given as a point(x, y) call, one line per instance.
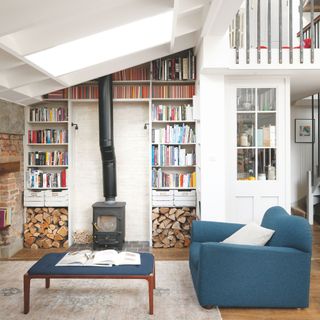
point(256, 133)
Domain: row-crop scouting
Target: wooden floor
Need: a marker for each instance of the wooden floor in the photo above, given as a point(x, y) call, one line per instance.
point(311, 313)
point(159, 254)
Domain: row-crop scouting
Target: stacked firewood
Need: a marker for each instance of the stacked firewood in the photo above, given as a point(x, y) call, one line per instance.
point(46, 228)
point(171, 227)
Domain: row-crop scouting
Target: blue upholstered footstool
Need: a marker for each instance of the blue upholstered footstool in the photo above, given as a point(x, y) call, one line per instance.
point(45, 269)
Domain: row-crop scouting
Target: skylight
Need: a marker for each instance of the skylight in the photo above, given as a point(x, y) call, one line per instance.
point(107, 45)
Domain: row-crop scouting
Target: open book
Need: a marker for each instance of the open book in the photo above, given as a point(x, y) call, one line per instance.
point(104, 258)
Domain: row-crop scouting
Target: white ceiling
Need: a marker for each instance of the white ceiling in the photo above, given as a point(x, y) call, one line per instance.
point(31, 26)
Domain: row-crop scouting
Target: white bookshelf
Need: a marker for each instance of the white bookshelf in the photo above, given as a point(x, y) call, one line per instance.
point(53, 126)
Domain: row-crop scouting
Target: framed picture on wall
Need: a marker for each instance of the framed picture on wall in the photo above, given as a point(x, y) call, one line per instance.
point(304, 131)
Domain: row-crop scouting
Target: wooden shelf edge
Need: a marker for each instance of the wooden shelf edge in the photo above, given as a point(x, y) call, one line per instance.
point(8, 167)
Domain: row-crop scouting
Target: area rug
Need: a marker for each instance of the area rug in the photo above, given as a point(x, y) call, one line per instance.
point(174, 297)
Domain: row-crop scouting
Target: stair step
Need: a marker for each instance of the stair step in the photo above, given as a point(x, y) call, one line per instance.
point(298, 212)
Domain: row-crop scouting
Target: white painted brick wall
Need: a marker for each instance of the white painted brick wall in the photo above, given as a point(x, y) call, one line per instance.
point(131, 148)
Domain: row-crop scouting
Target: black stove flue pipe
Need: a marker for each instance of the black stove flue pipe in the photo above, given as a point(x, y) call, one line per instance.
point(106, 138)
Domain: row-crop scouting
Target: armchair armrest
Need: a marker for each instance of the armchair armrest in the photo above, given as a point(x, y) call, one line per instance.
point(206, 231)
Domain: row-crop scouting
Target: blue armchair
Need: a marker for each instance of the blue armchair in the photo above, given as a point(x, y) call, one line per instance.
point(276, 275)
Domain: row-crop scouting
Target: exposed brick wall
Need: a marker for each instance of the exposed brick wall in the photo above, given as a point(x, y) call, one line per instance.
point(11, 186)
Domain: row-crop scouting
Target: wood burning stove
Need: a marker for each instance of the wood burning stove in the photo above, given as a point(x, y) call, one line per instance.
point(108, 216)
point(108, 225)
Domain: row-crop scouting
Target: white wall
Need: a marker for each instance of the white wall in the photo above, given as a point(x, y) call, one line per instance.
point(301, 153)
point(213, 173)
point(131, 148)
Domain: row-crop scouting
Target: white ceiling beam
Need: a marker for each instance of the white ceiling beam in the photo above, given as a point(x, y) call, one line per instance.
point(220, 14)
point(27, 62)
point(72, 27)
point(174, 23)
point(39, 88)
point(191, 5)
point(189, 22)
point(11, 95)
point(28, 101)
point(22, 75)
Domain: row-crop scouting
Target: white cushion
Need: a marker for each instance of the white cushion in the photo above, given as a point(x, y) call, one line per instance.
point(251, 234)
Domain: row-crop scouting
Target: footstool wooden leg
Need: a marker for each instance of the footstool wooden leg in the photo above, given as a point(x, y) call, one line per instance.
point(47, 283)
point(26, 295)
point(150, 287)
point(154, 278)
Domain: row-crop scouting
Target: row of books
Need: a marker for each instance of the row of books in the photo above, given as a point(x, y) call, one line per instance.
point(131, 91)
point(162, 179)
point(51, 158)
point(59, 94)
point(174, 134)
point(173, 91)
point(182, 67)
point(137, 73)
point(48, 114)
point(48, 136)
point(266, 136)
point(172, 113)
point(5, 217)
point(172, 156)
point(40, 179)
point(85, 91)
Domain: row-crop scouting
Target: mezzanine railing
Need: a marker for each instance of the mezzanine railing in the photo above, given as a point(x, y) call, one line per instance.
point(310, 39)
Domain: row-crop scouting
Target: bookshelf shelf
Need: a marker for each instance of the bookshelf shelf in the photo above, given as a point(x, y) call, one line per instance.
point(45, 166)
point(48, 122)
point(175, 188)
point(172, 99)
point(173, 121)
point(173, 81)
point(48, 144)
point(52, 100)
point(54, 188)
point(84, 100)
point(132, 100)
point(175, 167)
point(115, 82)
point(174, 144)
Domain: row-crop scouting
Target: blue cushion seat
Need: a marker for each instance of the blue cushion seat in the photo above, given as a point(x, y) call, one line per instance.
point(273, 276)
point(46, 266)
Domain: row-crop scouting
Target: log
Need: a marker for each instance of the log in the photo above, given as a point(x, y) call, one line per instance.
point(47, 243)
point(64, 211)
point(50, 236)
point(39, 217)
point(179, 212)
point(58, 237)
point(63, 231)
point(56, 244)
point(176, 225)
point(156, 210)
point(155, 215)
point(164, 210)
point(30, 241)
point(34, 246)
point(182, 219)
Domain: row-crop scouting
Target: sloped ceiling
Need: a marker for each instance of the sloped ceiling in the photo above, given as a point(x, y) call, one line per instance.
point(27, 27)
